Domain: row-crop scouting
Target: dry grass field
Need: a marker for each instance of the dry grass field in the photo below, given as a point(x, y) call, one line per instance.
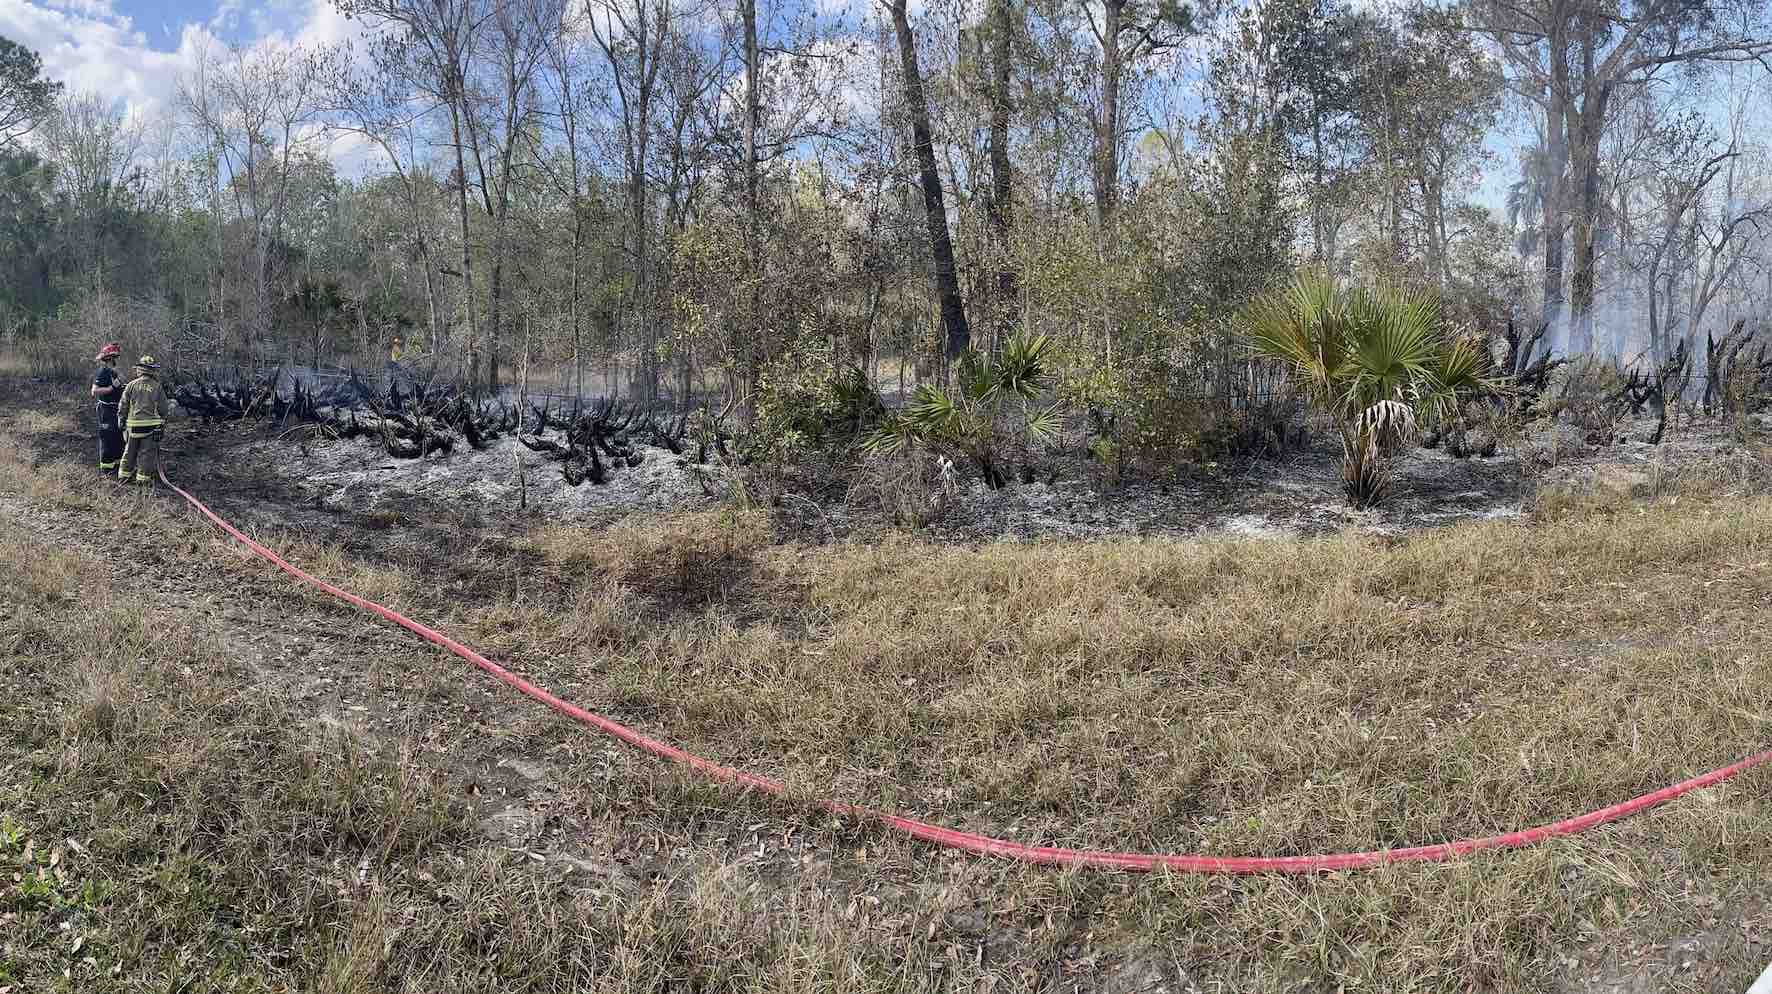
point(211, 779)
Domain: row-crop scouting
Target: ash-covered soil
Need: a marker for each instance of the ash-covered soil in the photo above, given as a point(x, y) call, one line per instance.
point(299, 479)
point(1299, 494)
point(1296, 494)
point(358, 475)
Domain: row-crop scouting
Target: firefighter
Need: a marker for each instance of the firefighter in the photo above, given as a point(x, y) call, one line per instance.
point(107, 389)
point(143, 413)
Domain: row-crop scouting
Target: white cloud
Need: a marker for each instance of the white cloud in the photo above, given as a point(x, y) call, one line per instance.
point(322, 24)
point(227, 14)
point(85, 8)
point(88, 46)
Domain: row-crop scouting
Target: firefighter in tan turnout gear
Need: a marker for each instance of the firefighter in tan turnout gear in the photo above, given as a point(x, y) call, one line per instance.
point(142, 412)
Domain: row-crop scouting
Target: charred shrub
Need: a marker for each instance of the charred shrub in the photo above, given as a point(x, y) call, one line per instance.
point(1590, 395)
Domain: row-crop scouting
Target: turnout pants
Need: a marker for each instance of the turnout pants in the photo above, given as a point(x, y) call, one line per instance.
point(141, 454)
point(110, 437)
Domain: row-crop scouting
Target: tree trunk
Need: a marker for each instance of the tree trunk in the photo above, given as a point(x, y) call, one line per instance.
point(1554, 184)
point(1587, 216)
point(1433, 203)
point(1001, 203)
point(220, 298)
point(495, 292)
point(1319, 226)
point(424, 261)
point(1107, 126)
point(640, 139)
point(498, 204)
point(1394, 181)
point(471, 375)
point(750, 328)
point(642, 279)
point(947, 285)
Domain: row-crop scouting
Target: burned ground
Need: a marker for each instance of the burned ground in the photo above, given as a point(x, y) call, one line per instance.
point(1296, 493)
point(1232, 696)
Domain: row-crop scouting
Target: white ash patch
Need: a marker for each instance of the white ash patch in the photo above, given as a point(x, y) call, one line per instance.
point(359, 474)
point(1256, 526)
point(1296, 496)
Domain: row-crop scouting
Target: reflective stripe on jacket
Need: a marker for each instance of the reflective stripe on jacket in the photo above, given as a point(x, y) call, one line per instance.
point(143, 404)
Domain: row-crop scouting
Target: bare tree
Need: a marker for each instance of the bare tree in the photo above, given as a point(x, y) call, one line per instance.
point(1571, 59)
point(376, 102)
point(430, 44)
point(498, 117)
point(566, 76)
point(257, 108)
point(1000, 31)
point(1129, 30)
point(632, 35)
point(785, 101)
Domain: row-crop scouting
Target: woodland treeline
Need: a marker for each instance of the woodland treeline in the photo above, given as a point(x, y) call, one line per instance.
point(657, 197)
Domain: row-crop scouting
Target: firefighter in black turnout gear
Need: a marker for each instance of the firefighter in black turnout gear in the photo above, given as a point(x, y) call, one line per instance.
point(107, 389)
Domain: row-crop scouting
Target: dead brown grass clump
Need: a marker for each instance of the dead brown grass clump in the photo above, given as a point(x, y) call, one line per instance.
point(693, 558)
point(1246, 697)
point(910, 489)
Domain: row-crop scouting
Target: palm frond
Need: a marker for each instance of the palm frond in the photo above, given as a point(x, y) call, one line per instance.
point(1046, 423)
point(1302, 327)
point(1021, 367)
point(1386, 423)
point(895, 435)
point(977, 377)
point(933, 411)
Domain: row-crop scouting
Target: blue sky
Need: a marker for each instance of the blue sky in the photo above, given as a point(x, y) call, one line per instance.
point(134, 50)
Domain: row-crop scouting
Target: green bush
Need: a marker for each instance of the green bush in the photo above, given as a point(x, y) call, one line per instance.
point(1152, 415)
point(988, 417)
point(806, 404)
point(1380, 360)
point(806, 400)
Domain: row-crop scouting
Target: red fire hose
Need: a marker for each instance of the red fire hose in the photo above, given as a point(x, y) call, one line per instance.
point(986, 845)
